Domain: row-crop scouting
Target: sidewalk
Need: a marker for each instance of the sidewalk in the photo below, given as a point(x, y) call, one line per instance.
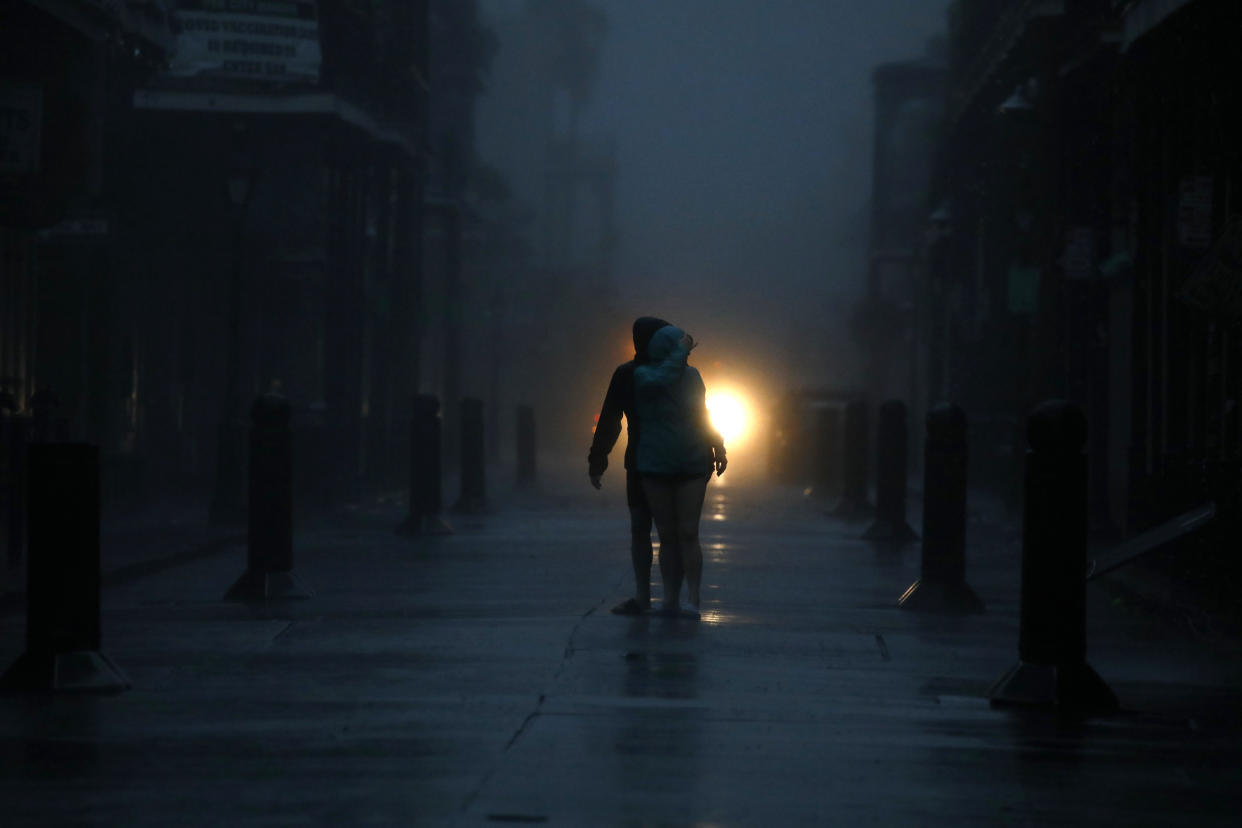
point(138, 542)
point(478, 679)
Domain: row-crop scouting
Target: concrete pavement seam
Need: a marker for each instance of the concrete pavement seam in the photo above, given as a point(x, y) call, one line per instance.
point(566, 654)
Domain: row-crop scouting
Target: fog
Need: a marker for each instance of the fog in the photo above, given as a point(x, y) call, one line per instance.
point(743, 146)
point(318, 325)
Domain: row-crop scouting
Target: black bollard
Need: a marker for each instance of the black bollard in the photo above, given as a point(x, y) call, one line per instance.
point(15, 432)
point(525, 445)
point(1052, 669)
point(269, 534)
point(853, 501)
point(942, 584)
point(473, 497)
point(827, 472)
point(62, 576)
point(891, 463)
point(425, 471)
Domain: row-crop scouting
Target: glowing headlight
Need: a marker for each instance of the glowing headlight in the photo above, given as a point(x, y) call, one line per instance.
point(729, 414)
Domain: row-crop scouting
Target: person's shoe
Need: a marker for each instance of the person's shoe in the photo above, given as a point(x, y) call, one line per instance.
point(630, 606)
point(670, 610)
point(692, 612)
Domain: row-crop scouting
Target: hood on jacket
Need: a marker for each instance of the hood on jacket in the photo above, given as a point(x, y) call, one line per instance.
point(663, 342)
point(644, 328)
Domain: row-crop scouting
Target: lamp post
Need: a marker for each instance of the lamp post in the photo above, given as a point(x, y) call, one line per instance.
point(226, 500)
point(934, 315)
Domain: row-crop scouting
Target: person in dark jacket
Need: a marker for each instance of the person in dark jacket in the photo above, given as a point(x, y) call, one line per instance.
point(618, 401)
point(678, 452)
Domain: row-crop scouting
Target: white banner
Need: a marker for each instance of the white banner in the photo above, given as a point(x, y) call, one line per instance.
point(268, 40)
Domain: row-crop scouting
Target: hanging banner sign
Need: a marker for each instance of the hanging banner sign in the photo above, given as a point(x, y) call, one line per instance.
point(266, 40)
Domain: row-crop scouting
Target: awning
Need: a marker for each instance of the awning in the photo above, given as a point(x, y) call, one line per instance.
point(1145, 15)
point(307, 103)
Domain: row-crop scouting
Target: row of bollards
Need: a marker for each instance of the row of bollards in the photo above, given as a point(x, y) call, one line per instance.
point(1052, 667)
point(525, 445)
point(854, 427)
point(473, 497)
point(1051, 670)
point(942, 582)
point(62, 576)
point(423, 516)
point(426, 500)
point(269, 517)
point(63, 635)
point(890, 481)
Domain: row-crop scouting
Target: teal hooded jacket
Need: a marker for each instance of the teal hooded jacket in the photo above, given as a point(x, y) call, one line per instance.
point(677, 438)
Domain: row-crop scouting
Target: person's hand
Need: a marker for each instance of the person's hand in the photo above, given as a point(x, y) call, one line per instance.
point(595, 480)
point(721, 462)
point(687, 342)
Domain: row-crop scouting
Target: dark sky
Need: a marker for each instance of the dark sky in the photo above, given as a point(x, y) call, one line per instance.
point(743, 130)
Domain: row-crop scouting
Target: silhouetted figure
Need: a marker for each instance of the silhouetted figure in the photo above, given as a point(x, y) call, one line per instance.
point(619, 400)
point(676, 454)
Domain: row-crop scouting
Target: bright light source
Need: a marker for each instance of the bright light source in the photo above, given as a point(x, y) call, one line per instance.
point(730, 415)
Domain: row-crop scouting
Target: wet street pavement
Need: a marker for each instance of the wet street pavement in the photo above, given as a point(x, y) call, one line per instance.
point(479, 679)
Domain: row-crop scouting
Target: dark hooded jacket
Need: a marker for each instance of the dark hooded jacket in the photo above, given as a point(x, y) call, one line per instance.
point(678, 436)
point(620, 400)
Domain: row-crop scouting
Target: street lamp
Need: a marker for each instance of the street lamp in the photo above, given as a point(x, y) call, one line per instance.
point(226, 500)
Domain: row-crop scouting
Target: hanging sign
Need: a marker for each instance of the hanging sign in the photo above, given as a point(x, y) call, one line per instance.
point(1215, 287)
point(1078, 260)
point(21, 119)
point(1023, 288)
point(1194, 211)
point(264, 40)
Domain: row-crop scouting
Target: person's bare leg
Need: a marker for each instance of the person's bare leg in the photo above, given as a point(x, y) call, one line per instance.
point(671, 574)
point(640, 553)
point(660, 500)
point(689, 510)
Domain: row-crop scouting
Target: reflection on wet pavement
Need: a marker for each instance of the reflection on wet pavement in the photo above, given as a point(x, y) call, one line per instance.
point(480, 679)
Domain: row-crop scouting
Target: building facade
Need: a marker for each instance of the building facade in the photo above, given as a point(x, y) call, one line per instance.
point(909, 119)
point(214, 203)
point(1088, 173)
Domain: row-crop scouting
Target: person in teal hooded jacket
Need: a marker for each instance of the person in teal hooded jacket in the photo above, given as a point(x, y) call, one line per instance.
point(678, 451)
point(619, 402)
